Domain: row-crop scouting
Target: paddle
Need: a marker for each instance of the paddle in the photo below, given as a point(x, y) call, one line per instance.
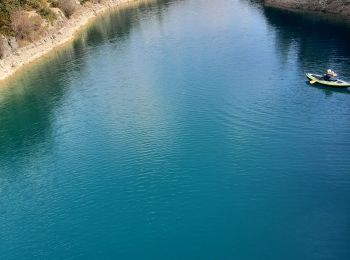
point(313, 81)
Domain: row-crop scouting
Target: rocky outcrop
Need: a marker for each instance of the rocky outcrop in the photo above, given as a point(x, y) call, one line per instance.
point(338, 7)
point(14, 56)
point(5, 48)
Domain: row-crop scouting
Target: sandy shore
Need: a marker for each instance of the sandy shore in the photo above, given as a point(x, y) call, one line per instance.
point(13, 63)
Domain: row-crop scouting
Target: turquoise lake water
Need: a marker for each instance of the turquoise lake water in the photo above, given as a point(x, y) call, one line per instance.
point(181, 130)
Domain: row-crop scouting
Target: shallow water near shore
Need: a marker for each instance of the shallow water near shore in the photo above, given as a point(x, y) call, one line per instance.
point(180, 130)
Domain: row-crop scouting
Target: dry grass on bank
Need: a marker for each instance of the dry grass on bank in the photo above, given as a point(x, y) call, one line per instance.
point(68, 7)
point(27, 27)
point(25, 21)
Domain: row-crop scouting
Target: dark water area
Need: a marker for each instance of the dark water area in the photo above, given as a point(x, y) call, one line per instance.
point(181, 130)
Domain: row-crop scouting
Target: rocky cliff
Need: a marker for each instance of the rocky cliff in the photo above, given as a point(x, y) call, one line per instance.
point(339, 7)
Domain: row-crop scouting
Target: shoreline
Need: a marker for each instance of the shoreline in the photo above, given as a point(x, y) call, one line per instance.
point(335, 9)
point(17, 61)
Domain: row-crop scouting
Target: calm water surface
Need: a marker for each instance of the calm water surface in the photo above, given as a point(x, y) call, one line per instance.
point(180, 130)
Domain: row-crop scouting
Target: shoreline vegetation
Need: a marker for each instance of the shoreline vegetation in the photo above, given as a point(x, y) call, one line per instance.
point(30, 29)
point(339, 8)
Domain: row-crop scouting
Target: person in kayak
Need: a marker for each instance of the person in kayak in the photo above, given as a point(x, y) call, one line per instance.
point(330, 75)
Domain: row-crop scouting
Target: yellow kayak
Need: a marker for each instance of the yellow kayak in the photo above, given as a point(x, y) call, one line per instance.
point(335, 84)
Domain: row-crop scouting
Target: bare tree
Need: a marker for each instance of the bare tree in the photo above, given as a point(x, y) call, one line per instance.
point(21, 25)
point(67, 6)
point(26, 27)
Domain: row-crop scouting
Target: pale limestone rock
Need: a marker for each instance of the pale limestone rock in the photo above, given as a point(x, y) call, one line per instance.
point(13, 43)
point(5, 48)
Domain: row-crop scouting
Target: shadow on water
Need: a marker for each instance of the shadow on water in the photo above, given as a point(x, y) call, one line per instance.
point(320, 41)
point(27, 106)
point(328, 91)
point(29, 103)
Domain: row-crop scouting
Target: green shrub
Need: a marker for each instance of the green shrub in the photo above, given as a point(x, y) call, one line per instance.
point(9, 7)
point(47, 14)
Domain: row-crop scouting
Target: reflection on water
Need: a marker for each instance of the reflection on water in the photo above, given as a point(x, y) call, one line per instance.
point(320, 41)
point(27, 106)
point(182, 130)
point(26, 110)
point(328, 91)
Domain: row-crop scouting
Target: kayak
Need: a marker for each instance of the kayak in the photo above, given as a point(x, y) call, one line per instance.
point(335, 84)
